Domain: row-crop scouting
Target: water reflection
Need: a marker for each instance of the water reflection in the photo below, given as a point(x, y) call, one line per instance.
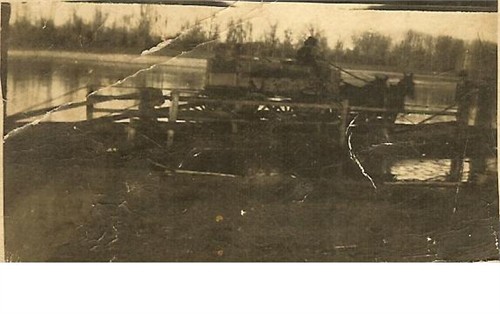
point(45, 83)
point(426, 169)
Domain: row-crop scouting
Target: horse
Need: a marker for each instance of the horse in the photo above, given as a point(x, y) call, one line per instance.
point(378, 94)
point(372, 94)
point(397, 94)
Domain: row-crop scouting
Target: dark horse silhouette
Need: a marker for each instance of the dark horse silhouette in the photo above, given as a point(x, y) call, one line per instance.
point(377, 94)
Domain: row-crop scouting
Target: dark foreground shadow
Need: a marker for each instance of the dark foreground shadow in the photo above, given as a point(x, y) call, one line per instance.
point(77, 196)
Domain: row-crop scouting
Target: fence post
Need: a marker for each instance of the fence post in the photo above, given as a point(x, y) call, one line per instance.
point(172, 117)
point(344, 116)
point(90, 103)
point(464, 97)
point(485, 104)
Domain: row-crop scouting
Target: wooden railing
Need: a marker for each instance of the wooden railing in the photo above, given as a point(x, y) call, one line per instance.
point(179, 97)
point(191, 96)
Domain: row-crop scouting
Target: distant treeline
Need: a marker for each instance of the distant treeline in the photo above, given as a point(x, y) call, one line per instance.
point(415, 52)
point(79, 35)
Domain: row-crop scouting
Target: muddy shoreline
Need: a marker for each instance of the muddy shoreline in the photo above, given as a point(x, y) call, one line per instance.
point(75, 192)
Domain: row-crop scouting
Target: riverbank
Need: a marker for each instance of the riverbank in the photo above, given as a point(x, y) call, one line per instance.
point(121, 59)
point(199, 60)
point(370, 68)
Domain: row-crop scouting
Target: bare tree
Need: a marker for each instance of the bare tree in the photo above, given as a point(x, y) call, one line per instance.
point(287, 45)
point(237, 33)
point(371, 47)
point(271, 39)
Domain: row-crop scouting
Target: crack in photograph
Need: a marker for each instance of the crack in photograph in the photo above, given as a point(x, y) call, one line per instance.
point(234, 131)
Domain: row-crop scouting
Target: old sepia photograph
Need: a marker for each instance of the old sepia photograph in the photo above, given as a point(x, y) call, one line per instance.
point(240, 131)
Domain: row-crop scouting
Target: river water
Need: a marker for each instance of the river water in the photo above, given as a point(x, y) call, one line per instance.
point(44, 80)
point(36, 82)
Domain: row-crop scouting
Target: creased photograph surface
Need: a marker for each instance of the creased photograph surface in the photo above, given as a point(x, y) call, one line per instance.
point(240, 131)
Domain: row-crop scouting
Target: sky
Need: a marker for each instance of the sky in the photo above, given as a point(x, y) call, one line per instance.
point(337, 21)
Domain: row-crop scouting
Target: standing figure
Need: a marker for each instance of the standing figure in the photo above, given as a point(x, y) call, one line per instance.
point(308, 54)
point(464, 97)
point(320, 82)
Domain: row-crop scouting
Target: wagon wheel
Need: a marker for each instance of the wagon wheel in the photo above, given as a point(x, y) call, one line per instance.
point(279, 108)
point(201, 107)
point(284, 108)
point(276, 112)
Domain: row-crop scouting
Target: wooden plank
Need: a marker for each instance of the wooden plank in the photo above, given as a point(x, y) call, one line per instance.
point(203, 173)
point(406, 111)
point(90, 103)
point(242, 121)
point(201, 101)
point(190, 119)
point(429, 112)
point(111, 110)
point(424, 183)
point(131, 96)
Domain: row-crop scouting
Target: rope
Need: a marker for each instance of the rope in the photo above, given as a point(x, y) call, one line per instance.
point(349, 73)
point(53, 99)
point(436, 114)
point(471, 92)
